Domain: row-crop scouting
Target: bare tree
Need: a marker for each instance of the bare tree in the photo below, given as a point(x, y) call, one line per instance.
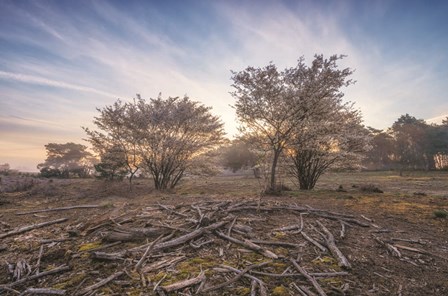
point(271, 103)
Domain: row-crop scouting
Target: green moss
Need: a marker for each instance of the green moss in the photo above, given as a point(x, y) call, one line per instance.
point(281, 251)
point(279, 234)
point(89, 246)
point(440, 214)
point(71, 282)
point(278, 267)
point(280, 291)
point(242, 291)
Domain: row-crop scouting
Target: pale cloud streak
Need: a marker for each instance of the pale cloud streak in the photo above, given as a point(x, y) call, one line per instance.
point(53, 83)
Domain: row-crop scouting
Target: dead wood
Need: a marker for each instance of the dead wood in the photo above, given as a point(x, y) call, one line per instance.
point(107, 256)
point(299, 275)
point(421, 251)
point(309, 278)
point(125, 234)
point(314, 242)
point(237, 277)
point(184, 284)
point(59, 209)
point(55, 240)
point(37, 276)
point(261, 284)
point(331, 244)
point(41, 251)
point(31, 227)
point(43, 291)
point(276, 243)
point(391, 248)
point(148, 250)
point(172, 211)
point(100, 283)
point(184, 238)
point(342, 234)
point(161, 264)
point(249, 245)
point(345, 219)
point(414, 241)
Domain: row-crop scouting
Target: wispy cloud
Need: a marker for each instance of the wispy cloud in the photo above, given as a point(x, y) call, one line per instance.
point(52, 83)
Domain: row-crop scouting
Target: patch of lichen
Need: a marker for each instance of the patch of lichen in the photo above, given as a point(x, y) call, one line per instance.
point(241, 291)
point(188, 269)
point(253, 257)
point(73, 281)
point(89, 246)
point(277, 267)
point(278, 235)
point(327, 261)
point(280, 251)
point(280, 291)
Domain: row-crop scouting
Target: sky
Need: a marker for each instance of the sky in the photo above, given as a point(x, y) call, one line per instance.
point(60, 60)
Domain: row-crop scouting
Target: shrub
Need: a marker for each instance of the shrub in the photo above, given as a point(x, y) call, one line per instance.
point(443, 214)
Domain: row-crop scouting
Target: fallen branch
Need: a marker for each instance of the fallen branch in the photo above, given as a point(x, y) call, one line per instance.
point(31, 227)
point(100, 284)
point(184, 284)
point(249, 245)
point(314, 242)
point(309, 278)
point(391, 248)
point(148, 250)
point(331, 244)
point(298, 275)
point(237, 277)
point(59, 209)
point(261, 284)
point(37, 276)
point(43, 291)
point(276, 243)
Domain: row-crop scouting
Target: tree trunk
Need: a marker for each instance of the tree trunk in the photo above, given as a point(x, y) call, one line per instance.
point(273, 169)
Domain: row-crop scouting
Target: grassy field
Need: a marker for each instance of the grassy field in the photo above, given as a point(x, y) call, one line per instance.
point(411, 213)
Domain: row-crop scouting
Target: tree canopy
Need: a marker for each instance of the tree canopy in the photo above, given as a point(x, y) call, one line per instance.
point(65, 159)
point(160, 135)
point(277, 106)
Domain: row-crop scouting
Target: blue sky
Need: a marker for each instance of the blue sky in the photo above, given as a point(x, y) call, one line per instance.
point(59, 60)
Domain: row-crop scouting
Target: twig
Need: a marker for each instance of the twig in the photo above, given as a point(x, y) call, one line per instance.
point(309, 278)
point(148, 250)
point(391, 248)
point(184, 238)
point(37, 276)
point(100, 284)
point(184, 284)
point(231, 226)
point(322, 248)
point(43, 291)
point(59, 209)
point(31, 227)
point(261, 284)
point(41, 251)
point(249, 245)
point(342, 235)
point(276, 243)
point(159, 282)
